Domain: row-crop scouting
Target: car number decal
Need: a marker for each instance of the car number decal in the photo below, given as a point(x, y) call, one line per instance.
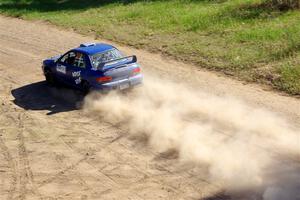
point(76, 74)
point(61, 69)
point(78, 80)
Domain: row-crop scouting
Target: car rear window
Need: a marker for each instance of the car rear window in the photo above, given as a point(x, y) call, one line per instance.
point(104, 57)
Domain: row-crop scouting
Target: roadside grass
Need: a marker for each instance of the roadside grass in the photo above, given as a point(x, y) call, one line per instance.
point(244, 38)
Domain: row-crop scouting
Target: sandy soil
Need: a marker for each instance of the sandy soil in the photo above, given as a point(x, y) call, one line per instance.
point(50, 149)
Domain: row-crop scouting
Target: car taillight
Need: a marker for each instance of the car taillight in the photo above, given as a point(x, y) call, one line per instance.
point(136, 71)
point(104, 79)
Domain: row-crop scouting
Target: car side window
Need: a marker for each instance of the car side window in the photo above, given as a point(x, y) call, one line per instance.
point(64, 58)
point(68, 58)
point(79, 60)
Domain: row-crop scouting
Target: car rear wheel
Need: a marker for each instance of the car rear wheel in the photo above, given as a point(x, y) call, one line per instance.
point(86, 87)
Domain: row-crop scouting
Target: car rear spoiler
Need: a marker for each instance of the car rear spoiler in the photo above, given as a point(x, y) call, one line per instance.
point(120, 61)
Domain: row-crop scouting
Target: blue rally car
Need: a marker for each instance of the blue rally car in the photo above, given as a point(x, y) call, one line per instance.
point(93, 66)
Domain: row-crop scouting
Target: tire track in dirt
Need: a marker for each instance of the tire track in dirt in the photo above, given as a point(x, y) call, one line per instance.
point(121, 139)
point(12, 165)
point(71, 166)
point(85, 159)
point(100, 170)
point(23, 154)
point(25, 178)
point(57, 175)
point(23, 183)
point(28, 173)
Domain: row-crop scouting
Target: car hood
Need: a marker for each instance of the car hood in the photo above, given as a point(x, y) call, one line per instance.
point(51, 60)
point(54, 58)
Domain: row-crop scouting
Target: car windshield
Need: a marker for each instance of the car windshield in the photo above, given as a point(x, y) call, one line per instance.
point(104, 57)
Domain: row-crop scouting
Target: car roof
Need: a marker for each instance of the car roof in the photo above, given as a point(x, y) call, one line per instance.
point(93, 48)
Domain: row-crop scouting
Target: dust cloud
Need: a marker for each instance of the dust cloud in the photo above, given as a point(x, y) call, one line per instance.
point(245, 148)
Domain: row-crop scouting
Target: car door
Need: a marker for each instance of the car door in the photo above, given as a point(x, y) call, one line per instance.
point(65, 62)
point(78, 69)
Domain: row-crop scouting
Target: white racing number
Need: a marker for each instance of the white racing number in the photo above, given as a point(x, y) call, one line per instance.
point(78, 80)
point(61, 69)
point(76, 74)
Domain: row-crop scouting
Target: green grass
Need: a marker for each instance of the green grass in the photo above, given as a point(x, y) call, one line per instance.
point(245, 38)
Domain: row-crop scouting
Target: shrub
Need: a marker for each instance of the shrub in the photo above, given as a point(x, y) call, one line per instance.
point(285, 4)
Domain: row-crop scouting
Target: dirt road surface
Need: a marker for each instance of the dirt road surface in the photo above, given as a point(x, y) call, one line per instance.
point(50, 149)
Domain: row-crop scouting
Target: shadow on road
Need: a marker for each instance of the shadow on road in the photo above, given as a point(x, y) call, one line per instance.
point(54, 5)
point(39, 96)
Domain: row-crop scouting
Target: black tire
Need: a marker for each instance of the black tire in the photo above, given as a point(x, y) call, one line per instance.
point(50, 80)
point(86, 87)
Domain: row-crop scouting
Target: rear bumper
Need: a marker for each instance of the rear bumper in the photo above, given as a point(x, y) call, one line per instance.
point(120, 84)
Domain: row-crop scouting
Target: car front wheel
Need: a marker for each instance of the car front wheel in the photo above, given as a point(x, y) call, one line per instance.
point(49, 78)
